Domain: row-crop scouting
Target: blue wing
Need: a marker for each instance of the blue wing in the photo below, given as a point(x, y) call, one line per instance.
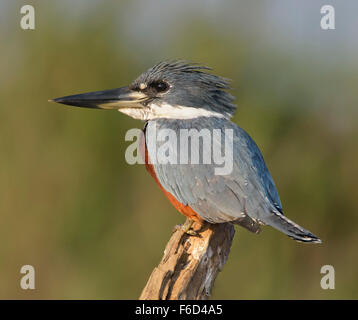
point(248, 190)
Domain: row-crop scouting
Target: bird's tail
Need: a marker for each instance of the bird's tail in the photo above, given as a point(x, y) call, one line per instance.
point(292, 229)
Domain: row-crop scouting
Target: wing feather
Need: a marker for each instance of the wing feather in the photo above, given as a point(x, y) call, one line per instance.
point(248, 190)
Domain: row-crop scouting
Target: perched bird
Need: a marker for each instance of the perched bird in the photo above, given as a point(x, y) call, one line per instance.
point(175, 96)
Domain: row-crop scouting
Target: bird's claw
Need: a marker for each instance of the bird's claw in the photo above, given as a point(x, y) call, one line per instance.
point(186, 228)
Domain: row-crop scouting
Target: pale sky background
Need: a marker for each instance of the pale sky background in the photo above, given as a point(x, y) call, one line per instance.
point(295, 24)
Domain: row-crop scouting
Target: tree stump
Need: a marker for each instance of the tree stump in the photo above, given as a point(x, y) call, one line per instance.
point(190, 264)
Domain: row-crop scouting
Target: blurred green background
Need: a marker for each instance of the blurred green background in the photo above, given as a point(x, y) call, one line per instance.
point(93, 226)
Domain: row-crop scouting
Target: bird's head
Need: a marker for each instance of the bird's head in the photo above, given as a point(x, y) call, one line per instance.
point(175, 90)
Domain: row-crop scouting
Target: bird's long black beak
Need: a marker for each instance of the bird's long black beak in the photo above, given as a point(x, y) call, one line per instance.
point(109, 99)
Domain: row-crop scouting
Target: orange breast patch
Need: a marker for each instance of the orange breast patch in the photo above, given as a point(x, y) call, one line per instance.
point(183, 209)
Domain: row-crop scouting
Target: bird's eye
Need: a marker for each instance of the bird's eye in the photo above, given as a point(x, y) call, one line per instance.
point(159, 86)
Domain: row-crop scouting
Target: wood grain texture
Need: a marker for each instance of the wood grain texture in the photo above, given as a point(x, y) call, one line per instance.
point(190, 264)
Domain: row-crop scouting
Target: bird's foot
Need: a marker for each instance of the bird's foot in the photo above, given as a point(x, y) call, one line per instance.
point(186, 227)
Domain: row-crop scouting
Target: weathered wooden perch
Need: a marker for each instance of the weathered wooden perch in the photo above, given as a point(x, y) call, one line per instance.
point(190, 264)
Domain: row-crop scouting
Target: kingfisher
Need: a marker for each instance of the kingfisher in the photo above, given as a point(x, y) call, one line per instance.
point(177, 96)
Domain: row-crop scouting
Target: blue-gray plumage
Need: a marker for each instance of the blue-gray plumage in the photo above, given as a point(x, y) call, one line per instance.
point(177, 96)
